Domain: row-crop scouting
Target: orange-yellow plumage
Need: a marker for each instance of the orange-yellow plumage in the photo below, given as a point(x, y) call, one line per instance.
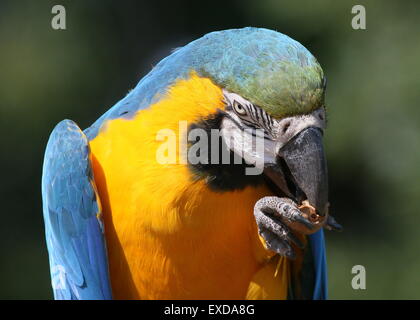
point(168, 235)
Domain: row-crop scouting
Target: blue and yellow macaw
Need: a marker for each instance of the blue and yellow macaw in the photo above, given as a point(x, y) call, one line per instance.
point(121, 224)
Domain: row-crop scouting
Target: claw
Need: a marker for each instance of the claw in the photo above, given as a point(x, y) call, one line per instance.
point(296, 240)
point(297, 217)
point(332, 224)
point(275, 216)
point(275, 226)
point(283, 231)
point(286, 208)
point(276, 244)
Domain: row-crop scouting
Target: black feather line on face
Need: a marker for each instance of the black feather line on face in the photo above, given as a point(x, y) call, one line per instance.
point(221, 177)
point(264, 122)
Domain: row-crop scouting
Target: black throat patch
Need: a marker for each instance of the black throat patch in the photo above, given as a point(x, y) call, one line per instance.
point(219, 176)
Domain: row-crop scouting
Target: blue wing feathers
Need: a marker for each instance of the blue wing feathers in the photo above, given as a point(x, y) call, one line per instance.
point(320, 262)
point(75, 240)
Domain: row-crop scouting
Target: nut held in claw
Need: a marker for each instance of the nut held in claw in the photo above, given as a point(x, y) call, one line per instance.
point(309, 212)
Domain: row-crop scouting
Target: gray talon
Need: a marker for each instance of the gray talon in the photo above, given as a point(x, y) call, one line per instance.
point(269, 213)
point(274, 243)
point(332, 224)
point(299, 218)
point(296, 241)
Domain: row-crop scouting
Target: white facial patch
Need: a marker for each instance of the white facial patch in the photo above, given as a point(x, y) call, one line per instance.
point(248, 144)
point(260, 147)
point(285, 129)
point(230, 98)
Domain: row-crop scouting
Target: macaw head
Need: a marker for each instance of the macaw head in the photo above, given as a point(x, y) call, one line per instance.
point(273, 90)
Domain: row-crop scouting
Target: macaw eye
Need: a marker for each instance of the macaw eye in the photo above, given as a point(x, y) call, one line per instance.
point(239, 109)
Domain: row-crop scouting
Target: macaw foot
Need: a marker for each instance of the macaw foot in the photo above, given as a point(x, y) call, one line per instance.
point(332, 224)
point(277, 218)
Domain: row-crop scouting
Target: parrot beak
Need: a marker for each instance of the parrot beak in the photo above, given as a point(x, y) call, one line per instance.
point(301, 170)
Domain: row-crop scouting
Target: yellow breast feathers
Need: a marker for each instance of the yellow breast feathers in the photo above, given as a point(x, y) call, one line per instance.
point(168, 235)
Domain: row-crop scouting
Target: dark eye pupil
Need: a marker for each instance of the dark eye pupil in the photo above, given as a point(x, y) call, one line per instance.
point(238, 108)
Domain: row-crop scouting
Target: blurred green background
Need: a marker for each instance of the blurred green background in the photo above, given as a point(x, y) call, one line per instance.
point(373, 99)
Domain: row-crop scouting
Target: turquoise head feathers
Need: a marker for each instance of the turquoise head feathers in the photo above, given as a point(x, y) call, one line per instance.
point(266, 67)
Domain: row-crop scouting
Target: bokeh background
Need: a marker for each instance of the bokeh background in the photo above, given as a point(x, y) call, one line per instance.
point(373, 99)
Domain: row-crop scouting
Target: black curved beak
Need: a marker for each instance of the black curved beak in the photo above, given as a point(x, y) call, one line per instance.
point(301, 171)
